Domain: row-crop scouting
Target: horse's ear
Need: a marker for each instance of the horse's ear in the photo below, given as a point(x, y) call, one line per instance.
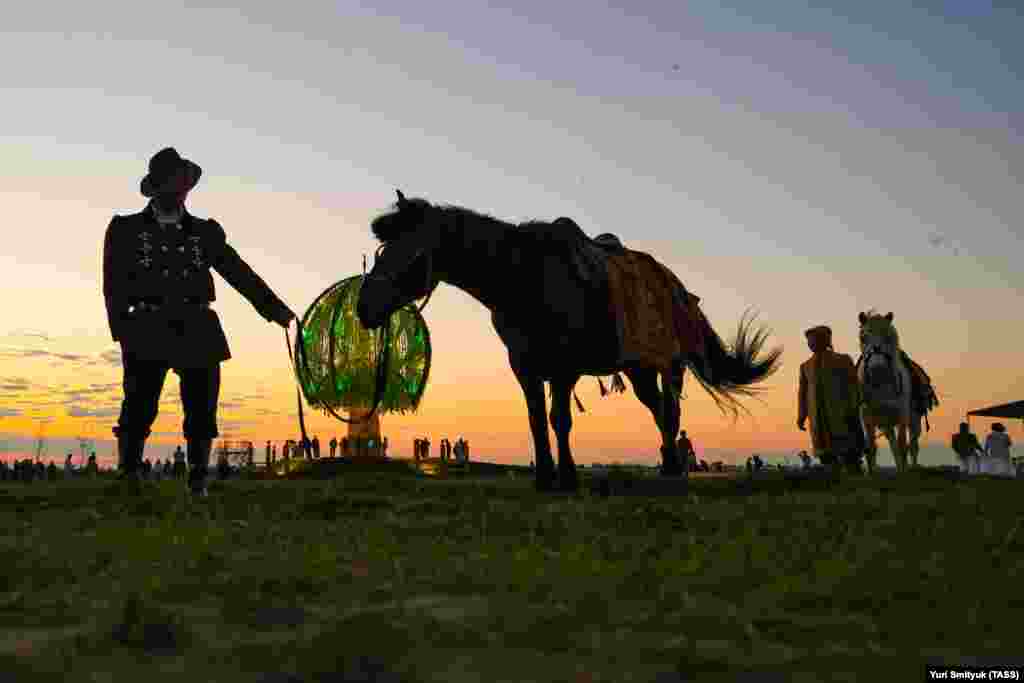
point(401, 197)
point(888, 316)
point(863, 318)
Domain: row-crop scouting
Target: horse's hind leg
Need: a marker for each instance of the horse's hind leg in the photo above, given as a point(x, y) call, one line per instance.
point(561, 422)
point(671, 387)
point(645, 386)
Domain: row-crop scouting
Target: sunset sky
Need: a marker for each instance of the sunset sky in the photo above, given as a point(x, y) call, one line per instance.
point(810, 163)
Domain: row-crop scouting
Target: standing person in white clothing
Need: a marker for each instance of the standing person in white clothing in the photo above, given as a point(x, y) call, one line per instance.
point(997, 448)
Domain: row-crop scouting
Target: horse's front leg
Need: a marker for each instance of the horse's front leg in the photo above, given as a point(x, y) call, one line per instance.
point(561, 422)
point(901, 440)
point(533, 390)
point(870, 435)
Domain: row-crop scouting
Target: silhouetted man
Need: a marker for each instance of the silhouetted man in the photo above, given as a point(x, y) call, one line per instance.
point(158, 289)
point(333, 445)
point(829, 395)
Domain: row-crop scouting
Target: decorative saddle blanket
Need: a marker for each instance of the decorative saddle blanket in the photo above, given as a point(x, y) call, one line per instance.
point(658, 322)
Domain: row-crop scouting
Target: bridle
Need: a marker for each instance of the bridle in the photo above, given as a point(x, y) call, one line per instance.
point(382, 353)
point(890, 361)
point(431, 282)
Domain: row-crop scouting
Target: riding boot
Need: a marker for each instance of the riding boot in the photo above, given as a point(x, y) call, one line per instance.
point(198, 465)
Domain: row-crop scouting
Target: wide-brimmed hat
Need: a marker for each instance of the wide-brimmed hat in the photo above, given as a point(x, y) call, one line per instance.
point(162, 166)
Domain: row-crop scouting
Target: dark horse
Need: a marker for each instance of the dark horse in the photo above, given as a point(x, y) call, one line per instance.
point(555, 326)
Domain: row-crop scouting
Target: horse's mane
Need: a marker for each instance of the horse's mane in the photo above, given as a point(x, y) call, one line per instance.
point(399, 220)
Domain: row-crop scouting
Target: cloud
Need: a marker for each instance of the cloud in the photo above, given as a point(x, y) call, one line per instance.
point(76, 411)
point(33, 334)
point(14, 384)
point(112, 357)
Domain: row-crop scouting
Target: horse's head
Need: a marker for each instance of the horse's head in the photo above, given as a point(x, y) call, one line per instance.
point(404, 268)
point(879, 346)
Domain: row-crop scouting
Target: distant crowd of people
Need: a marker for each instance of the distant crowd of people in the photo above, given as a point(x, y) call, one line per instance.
point(449, 452)
point(993, 458)
point(309, 449)
point(26, 470)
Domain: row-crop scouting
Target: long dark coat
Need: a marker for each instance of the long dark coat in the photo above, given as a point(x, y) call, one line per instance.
point(829, 395)
point(143, 260)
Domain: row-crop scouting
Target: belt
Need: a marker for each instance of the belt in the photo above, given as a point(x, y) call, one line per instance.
point(156, 304)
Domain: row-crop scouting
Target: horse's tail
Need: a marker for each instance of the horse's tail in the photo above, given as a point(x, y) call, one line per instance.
point(727, 372)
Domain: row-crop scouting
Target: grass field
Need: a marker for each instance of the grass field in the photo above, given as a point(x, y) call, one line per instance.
point(396, 577)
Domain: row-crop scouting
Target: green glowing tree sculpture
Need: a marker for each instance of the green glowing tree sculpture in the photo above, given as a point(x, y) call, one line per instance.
point(341, 355)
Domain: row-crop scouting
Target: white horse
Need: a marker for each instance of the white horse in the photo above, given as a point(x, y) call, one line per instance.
point(885, 382)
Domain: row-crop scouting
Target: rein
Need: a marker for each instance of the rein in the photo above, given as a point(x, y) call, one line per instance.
point(382, 353)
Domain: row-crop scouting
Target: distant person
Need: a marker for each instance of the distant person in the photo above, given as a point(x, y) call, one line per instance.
point(307, 448)
point(384, 447)
point(157, 287)
point(965, 444)
point(250, 455)
point(316, 447)
point(91, 468)
point(829, 395)
point(686, 450)
point(333, 445)
point(69, 469)
point(51, 471)
point(465, 451)
point(805, 459)
point(286, 450)
point(266, 458)
point(273, 453)
point(997, 448)
point(179, 463)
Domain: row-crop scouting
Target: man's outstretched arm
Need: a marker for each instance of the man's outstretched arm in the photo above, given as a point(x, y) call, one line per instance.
point(244, 279)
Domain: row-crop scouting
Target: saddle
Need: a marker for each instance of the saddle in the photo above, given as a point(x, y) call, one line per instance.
point(658, 321)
